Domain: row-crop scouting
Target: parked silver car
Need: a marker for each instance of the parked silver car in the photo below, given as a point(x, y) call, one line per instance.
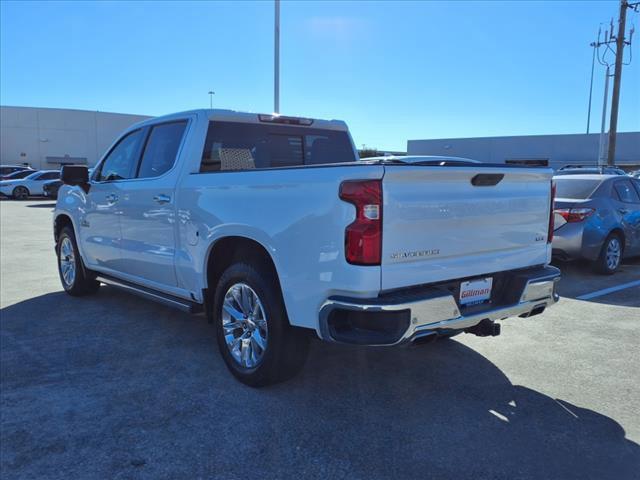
point(597, 217)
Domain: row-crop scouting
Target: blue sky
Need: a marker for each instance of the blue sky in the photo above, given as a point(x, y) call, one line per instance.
point(393, 70)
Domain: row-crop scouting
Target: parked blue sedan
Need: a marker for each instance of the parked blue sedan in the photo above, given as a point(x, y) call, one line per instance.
point(597, 218)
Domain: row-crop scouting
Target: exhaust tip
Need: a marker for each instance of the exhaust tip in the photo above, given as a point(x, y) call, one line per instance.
point(536, 311)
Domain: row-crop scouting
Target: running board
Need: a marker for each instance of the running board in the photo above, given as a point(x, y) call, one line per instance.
point(150, 294)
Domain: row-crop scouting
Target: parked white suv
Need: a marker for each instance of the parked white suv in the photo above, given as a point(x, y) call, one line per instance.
point(23, 188)
point(274, 228)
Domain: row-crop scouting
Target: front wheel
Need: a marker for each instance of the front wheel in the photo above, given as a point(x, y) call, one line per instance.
point(254, 336)
point(20, 193)
point(76, 280)
point(610, 255)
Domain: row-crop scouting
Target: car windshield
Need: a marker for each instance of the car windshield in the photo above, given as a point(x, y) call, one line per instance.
point(33, 176)
point(575, 187)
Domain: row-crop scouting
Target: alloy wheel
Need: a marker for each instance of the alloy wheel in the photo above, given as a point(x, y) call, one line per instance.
point(67, 262)
point(20, 193)
point(613, 254)
point(244, 324)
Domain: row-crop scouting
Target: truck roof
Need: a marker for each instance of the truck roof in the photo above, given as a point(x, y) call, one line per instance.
point(249, 117)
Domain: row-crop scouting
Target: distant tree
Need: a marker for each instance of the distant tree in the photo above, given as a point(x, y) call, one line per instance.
point(368, 152)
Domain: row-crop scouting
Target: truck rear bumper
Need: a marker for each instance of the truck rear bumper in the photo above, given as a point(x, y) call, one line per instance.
point(402, 317)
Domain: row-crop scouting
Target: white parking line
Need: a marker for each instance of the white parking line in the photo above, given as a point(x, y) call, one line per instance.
point(607, 291)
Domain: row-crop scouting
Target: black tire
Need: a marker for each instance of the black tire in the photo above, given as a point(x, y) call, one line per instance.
point(604, 263)
point(286, 347)
point(84, 281)
point(20, 193)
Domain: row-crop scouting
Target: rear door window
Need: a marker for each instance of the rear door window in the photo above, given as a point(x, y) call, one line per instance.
point(161, 149)
point(248, 146)
point(49, 176)
point(626, 192)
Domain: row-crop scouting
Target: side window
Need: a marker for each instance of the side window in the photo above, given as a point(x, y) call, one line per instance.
point(161, 149)
point(121, 162)
point(50, 176)
point(626, 192)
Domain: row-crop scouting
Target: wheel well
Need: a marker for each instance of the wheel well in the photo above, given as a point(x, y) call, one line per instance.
point(61, 222)
point(229, 250)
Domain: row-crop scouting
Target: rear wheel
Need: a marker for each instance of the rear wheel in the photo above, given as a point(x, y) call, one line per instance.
point(20, 193)
point(254, 336)
point(76, 279)
point(610, 255)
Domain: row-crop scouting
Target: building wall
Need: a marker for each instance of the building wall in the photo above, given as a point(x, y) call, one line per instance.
point(46, 137)
point(558, 149)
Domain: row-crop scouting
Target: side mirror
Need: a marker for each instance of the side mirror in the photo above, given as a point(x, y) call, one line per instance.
point(75, 175)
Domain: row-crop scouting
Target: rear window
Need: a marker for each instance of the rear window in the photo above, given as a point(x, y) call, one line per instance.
point(574, 188)
point(248, 146)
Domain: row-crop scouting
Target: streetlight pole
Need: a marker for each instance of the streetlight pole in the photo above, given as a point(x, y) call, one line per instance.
point(211, 94)
point(276, 60)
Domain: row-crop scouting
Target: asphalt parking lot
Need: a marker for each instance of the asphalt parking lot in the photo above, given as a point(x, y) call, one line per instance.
point(112, 386)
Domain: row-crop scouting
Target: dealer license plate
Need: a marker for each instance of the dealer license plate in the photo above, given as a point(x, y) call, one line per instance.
point(475, 291)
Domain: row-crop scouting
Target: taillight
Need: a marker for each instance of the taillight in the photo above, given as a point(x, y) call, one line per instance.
point(574, 215)
point(363, 237)
point(551, 225)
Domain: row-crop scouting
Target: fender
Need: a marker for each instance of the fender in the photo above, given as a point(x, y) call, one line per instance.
point(239, 230)
point(73, 197)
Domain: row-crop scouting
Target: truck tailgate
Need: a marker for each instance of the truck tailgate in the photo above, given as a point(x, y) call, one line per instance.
point(438, 225)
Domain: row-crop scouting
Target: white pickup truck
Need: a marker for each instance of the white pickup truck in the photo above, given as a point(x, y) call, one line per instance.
point(274, 228)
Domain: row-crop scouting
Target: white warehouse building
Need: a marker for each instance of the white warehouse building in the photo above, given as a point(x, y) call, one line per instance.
point(552, 150)
point(45, 138)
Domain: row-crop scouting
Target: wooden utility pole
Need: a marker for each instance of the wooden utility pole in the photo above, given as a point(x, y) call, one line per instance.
point(617, 74)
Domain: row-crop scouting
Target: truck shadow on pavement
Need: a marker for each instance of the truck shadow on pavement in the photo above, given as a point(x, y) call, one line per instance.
point(113, 386)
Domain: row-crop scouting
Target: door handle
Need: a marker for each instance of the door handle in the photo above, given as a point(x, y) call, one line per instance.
point(623, 211)
point(112, 198)
point(162, 199)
